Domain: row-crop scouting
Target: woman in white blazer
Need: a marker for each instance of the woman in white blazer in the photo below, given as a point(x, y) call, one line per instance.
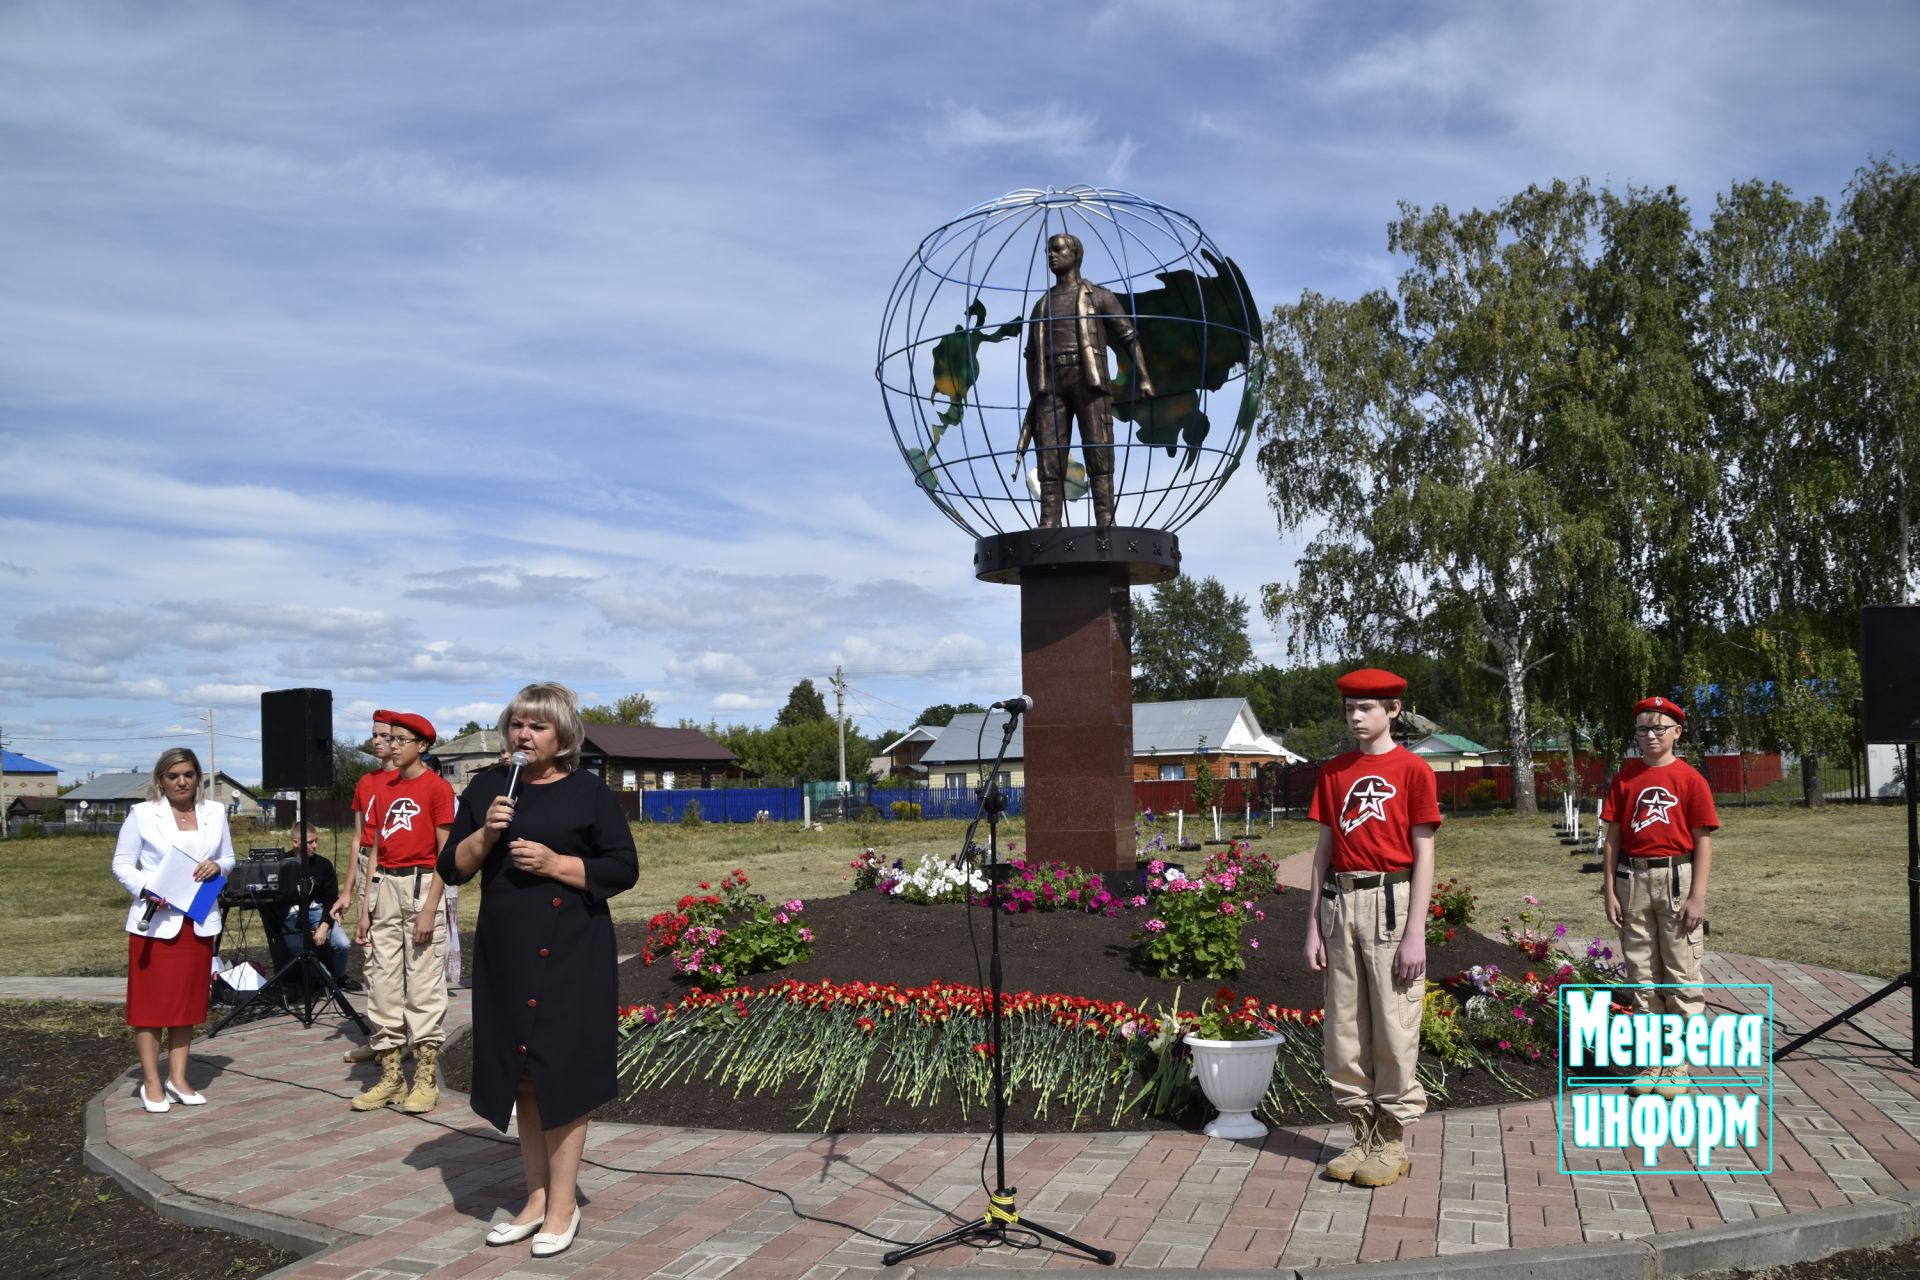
point(169, 968)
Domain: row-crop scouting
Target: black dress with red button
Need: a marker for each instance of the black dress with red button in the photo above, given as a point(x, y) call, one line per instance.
point(545, 990)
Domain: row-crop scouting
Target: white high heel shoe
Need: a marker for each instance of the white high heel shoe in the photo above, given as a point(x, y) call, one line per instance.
point(187, 1099)
point(150, 1105)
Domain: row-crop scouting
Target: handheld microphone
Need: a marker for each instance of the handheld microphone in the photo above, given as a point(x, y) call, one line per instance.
point(519, 761)
point(146, 917)
point(1018, 705)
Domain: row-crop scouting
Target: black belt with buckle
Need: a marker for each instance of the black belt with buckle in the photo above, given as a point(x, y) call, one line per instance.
point(1621, 868)
point(1330, 887)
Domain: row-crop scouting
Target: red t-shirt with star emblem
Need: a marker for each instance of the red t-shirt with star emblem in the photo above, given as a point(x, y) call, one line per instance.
point(1658, 810)
point(363, 802)
point(406, 812)
point(1372, 804)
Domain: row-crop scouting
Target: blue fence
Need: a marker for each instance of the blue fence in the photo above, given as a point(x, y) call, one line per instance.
point(782, 804)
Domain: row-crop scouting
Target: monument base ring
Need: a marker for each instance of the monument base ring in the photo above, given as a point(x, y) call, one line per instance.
point(1024, 555)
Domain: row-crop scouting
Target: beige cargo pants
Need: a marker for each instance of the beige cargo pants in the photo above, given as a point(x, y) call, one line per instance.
point(1654, 946)
point(406, 982)
point(1372, 1027)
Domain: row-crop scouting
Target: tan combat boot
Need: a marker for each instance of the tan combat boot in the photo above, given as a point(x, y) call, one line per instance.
point(425, 1094)
point(1649, 1079)
point(388, 1089)
point(1341, 1167)
point(1679, 1080)
point(1387, 1163)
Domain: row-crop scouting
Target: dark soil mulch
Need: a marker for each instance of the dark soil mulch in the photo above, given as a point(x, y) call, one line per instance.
point(57, 1217)
point(865, 937)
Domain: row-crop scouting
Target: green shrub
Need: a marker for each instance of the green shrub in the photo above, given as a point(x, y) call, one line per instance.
point(690, 816)
point(907, 810)
point(1480, 794)
point(1452, 908)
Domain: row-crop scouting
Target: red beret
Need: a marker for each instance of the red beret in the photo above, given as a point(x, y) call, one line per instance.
point(383, 716)
point(419, 726)
point(1665, 706)
point(1371, 682)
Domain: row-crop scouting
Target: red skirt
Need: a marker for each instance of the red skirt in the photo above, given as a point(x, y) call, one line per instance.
point(168, 980)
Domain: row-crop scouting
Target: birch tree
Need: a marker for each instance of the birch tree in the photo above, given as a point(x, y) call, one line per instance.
point(1439, 439)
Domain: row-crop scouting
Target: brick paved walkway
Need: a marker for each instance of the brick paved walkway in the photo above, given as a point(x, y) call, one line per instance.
point(413, 1196)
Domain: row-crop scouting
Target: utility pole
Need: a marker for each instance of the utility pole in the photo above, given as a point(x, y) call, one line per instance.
point(840, 714)
point(3, 783)
point(213, 769)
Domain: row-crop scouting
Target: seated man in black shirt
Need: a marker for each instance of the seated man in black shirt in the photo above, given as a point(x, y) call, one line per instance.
point(312, 921)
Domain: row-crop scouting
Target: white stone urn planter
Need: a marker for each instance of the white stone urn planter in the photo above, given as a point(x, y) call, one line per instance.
point(1234, 1074)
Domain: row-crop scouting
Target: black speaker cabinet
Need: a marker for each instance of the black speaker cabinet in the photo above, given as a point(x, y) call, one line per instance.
point(1890, 672)
point(296, 739)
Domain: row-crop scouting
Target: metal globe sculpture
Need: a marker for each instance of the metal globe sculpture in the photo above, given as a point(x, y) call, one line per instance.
point(957, 364)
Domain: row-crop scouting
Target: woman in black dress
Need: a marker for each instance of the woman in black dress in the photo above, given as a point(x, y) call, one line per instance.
point(545, 993)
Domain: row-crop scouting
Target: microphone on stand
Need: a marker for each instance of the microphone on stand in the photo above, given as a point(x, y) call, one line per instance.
point(1016, 706)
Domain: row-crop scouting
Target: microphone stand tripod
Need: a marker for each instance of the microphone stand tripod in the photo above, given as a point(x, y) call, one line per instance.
point(1002, 1213)
point(317, 984)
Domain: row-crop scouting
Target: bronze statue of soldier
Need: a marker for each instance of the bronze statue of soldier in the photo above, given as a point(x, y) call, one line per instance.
point(1067, 378)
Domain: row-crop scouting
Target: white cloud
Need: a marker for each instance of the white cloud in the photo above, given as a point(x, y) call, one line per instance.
point(245, 696)
point(745, 702)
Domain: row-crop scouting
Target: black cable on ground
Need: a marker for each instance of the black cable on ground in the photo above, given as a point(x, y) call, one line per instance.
point(503, 1140)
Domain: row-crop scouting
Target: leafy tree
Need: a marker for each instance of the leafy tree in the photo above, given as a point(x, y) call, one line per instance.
point(1319, 739)
point(1876, 372)
point(1203, 784)
point(350, 764)
point(1189, 641)
point(634, 709)
point(471, 726)
point(941, 714)
point(1440, 443)
point(1646, 587)
point(1768, 329)
point(810, 750)
point(805, 704)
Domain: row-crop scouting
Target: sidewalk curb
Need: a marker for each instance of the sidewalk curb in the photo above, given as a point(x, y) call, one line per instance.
point(175, 1205)
point(1775, 1241)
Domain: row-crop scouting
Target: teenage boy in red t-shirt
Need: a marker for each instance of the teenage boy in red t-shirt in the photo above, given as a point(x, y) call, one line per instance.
point(363, 840)
point(1372, 881)
point(1660, 824)
point(401, 926)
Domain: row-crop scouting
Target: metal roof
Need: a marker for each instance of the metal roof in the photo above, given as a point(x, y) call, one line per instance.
point(1166, 728)
point(14, 762)
point(112, 786)
point(1448, 744)
point(645, 742)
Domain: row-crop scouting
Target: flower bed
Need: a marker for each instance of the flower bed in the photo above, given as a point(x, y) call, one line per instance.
point(796, 1049)
point(1195, 925)
point(912, 1045)
point(722, 937)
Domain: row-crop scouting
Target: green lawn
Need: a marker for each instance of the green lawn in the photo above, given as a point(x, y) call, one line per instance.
point(1825, 887)
point(62, 912)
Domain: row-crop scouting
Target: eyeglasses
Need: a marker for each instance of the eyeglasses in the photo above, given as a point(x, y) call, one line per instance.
point(399, 741)
point(1655, 730)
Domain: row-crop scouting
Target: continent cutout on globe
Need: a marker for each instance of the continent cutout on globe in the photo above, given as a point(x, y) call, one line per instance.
point(1194, 331)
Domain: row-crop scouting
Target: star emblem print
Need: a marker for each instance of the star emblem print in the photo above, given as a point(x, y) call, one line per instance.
point(399, 816)
point(1654, 805)
point(1366, 802)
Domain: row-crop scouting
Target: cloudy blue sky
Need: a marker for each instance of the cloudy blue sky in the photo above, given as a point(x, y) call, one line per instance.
point(419, 350)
